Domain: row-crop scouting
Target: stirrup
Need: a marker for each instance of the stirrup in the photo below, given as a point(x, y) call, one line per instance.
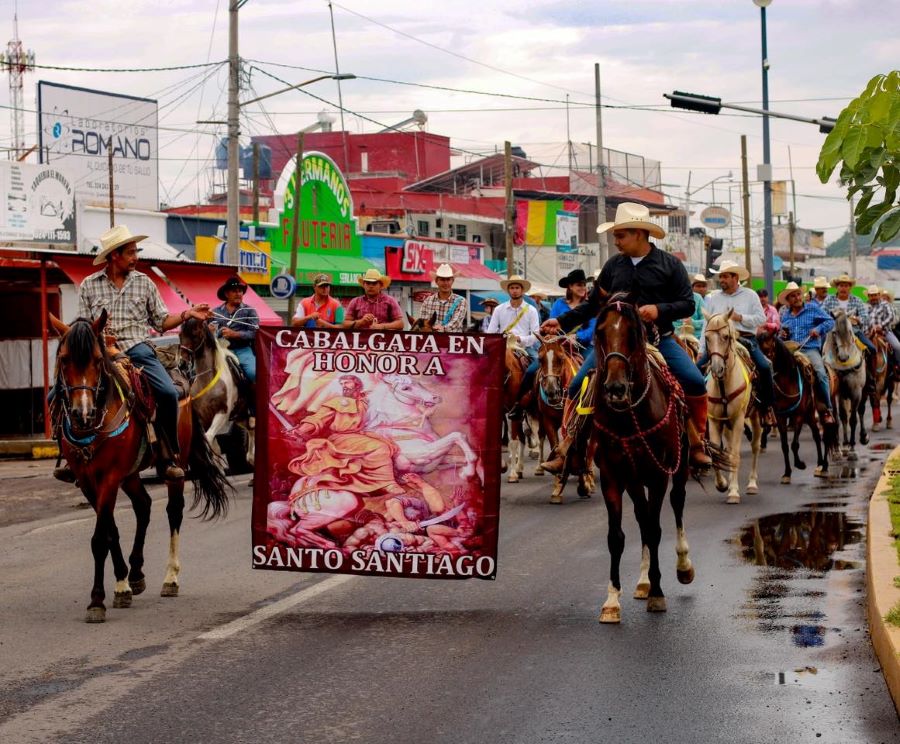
point(173, 472)
point(64, 473)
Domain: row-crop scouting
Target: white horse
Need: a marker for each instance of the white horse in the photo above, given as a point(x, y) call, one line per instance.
point(845, 359)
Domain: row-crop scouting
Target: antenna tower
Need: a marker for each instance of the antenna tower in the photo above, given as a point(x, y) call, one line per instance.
point(17, 61)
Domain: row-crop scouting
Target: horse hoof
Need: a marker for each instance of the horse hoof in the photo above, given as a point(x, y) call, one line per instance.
point(512, 478)
point(800, 465)
point(889, 425)
point(752, 490)
point(583, 493)
point(642, 591)
point(734, 498)
point(138, 587)
point(656, 604)
point(539, 471)
point(875, 427)
point(685, 576)
point(95, 615)
point(852, 455)
point(785, 480)
point(169, 590)
point(121, 600)
point(721, 488)
point(864, 439)
point(610, 615)
point(532, 454)
point(503, 468)
point(820, 472)
point(556, 498)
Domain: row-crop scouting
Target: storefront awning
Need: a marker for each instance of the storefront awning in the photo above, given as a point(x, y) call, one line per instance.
point(343, 270)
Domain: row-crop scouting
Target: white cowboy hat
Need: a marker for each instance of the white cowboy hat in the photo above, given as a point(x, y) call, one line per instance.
point(444, 271)
point(634, 216)
point(516, 279)
point(732, 267)
point(874, 291)
point(114, 238)
point(699, 279)
point(843, 279)
point(820, 282)
point(789, 287)
point(374, 275)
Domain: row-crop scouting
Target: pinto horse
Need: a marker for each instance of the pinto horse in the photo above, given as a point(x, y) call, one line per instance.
point(844, 358)
point(795, 403)
point(730, 392)
point(639, 414)
point(512, 392)
point(104, 438)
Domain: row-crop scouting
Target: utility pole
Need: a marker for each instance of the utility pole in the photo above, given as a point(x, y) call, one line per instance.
point(791, 228)
point(701, 261)
point(510, 206)
point(112, 203)
point(295, 235)
point(853, 247)
point(233, 240)
point(768, 253)
point(602, 255)
point(745, 203)
point(256, 183)
point(568, 137)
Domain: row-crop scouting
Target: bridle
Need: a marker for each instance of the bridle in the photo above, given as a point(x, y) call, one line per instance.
point(603, 358)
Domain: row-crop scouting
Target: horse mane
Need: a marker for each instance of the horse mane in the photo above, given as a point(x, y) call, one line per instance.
point(80, 341)
point(623, 303)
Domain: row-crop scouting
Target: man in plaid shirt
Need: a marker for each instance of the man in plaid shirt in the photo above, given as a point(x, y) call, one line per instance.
point(808, 324)
point(132, 302)
point(883, 318)
point(854, 307)
point(448, 308)
point(375, 310)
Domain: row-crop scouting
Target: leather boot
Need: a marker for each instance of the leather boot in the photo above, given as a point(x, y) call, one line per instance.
point(166, 453)
point(696, 430)
point(557, 462)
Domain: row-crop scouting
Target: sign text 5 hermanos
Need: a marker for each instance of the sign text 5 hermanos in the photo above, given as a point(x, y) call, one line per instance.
point(324, 233)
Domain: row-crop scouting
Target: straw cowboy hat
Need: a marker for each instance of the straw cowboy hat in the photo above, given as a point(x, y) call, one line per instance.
point(114, 238)
point(576, 276)
point(490, 301)
point(444, 271)
point(632, 216)
point(732, 267)
point(232, 282)
point(515, 279)
point(374, 275)
point(699, 279)
point(874, 291)
point(790, 287)
point(820, 282)
point(843, 279)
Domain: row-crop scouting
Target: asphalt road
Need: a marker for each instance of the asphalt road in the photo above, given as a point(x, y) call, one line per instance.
point(747, 653)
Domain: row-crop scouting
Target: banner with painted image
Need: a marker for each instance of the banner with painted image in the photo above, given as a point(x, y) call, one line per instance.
point(378, 453)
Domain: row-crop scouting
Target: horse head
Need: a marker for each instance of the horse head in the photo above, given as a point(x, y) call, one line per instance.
point(193, 336)
point(425, 325)
point(81, 370)
point(410, 392)
point(552, 360)
point(719, 336)
point(620, 345)
point(841, 337)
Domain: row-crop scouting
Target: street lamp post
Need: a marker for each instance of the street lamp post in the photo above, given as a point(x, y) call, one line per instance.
point(768, 253)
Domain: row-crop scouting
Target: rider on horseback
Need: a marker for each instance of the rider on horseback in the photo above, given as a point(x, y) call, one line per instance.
point(662, 292)
point(238, 323)
point(883, 318)
point(133, 302)
point(854, 307)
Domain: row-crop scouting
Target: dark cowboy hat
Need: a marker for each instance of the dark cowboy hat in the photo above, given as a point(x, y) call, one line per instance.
point(233, 282)
point(573, 277)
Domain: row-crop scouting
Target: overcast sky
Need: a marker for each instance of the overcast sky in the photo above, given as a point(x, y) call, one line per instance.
point(821, 53)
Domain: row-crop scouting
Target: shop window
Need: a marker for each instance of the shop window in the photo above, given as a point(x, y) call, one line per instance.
point(422, 228)
point(461, 232)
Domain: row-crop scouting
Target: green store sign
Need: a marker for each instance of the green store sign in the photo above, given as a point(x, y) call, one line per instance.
point(327, 236)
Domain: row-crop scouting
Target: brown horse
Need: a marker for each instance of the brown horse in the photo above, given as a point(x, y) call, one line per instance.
point(104, 438)
point(425, 325)
point(516, 364)
point(881, 377)
point(795, 404)
point(639, 414)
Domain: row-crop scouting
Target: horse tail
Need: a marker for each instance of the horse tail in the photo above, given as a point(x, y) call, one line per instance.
point(210, 484)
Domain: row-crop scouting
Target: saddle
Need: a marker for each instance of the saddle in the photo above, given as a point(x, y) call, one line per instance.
point(806, 368)
point(170, 358)
point(144, 405)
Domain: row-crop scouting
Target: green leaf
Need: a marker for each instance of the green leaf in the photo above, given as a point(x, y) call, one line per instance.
point(865, 223)
point(853, 145)
point(880, 106)
point(889, 227)
point(864, 200)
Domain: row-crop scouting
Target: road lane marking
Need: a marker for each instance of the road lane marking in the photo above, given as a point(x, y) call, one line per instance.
point(276, 608)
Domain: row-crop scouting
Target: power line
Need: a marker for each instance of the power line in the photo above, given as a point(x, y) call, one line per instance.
point(119, 69)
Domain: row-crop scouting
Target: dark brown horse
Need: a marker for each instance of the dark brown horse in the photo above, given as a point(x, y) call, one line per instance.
point(881, 374)
point(104, 438)
point(425, 325)
point(795, 404)
point(639, 420)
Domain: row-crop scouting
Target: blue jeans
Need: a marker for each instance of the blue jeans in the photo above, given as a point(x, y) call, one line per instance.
point(589, 363)
point(528, 379)
point(164, 391)
point(865, 340)
point(765, 380)
point(815, 358)
point(247, 359)
point(682, 367)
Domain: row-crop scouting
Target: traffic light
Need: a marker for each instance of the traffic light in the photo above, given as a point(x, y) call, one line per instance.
point(695, 102)
point(713, 251)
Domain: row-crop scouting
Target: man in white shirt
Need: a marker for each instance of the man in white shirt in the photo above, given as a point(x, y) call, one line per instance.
point(518, 318)
point(747, 316)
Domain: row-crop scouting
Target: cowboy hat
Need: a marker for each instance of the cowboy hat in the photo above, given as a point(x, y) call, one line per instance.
point(789, 287)
point(374, 275)
point(633, 216)
point(843, 279)
point(320, 279)
point(114, 238)
point(576, 276)
point(515, 279)
point(820, 282)
point(538, 294)
point(874, 291)
point(699, 279)
point(490, 301)
point(732, 267)
point(445, 271)
point(232, 282)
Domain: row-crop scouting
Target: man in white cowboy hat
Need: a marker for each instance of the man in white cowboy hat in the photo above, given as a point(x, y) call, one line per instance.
point(448, 308)
point(807, 323)
point(854, 307)
point(375, 309)
point(883, 318)
point(520, 319)
point(133, 303)
point(820, 288)
point(747, 316)
point(662, 291)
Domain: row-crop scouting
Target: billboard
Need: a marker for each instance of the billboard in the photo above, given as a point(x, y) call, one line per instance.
point(378, 455)
point(76, 129)
point(37, 203)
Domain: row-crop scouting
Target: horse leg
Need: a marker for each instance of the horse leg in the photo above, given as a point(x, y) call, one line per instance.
point(122, 596)
point(734, 460)
point(651, 533)
point(717, 434)
point(861, 415)
point(587, 474)
point(104, 504)
point(175, 513)
point(516, 447)
point(546, 431)
point(782, 432)
point(217, 425)
point(611, 612)
point(795, 443)
point(684, 568)
point(141, 503)
point(889, 398)
point(821, 470)
point(756, 439)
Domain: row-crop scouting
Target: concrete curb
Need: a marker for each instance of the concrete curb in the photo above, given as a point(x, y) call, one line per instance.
point(882, 568)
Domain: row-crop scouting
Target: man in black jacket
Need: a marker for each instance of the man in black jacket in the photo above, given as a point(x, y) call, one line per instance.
point(659, 284)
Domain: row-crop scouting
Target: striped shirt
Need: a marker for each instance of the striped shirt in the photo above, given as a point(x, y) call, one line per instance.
point(455, 306)
point(811, 316)
point(882, 314)
point(131, 309)
point(855, 308)
point(385, 308)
